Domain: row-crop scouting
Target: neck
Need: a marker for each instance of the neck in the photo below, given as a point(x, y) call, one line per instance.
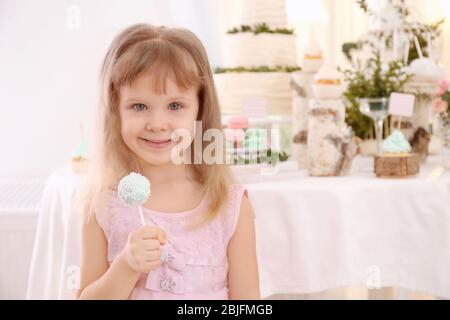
point(164, 174)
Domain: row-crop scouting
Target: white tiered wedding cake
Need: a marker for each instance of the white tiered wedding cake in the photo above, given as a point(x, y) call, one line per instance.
point(260, 57)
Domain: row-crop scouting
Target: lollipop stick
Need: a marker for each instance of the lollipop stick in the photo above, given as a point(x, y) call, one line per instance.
point(141, 215)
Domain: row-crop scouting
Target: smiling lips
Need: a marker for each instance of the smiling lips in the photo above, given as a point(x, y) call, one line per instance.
point(157, 143)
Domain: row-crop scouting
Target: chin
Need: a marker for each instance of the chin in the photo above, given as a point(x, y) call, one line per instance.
point(155, 160)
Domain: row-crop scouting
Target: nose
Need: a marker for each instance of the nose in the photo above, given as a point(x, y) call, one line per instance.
point(157, 121)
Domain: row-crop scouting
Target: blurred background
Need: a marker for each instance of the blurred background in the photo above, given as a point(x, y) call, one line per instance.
point(50, 54)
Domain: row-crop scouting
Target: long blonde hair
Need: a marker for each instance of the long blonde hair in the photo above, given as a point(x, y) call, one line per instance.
point(144, 48)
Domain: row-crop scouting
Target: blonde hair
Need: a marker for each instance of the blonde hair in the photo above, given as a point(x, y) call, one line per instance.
point(169, 51)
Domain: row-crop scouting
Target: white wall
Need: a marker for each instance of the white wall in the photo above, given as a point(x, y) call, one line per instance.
point(49, 67)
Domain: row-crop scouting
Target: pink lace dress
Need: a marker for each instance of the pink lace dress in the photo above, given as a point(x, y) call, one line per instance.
point(195, 264)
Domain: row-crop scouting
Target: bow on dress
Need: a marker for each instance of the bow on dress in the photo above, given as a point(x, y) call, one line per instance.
point(169, 277)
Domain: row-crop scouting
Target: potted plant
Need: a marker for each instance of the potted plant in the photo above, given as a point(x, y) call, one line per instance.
point(369, 87)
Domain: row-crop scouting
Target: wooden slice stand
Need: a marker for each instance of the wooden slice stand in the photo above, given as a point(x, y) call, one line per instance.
point(397, 166)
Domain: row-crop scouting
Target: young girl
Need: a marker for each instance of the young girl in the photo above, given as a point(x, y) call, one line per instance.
point(198, 241)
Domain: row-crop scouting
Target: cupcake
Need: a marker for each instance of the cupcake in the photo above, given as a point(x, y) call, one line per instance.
point(79, 158)
point(235, 131)
point(313, 58)
point(397, 160)
point(238, 122)
point(234, 138)
point(396, 144)
point(328, 83)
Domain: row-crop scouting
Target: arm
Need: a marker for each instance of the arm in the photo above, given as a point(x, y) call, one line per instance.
point(98, 280)
point(243, 279)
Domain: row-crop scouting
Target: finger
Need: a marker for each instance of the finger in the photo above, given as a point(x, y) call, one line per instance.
point(150, 244)
point(152, 255)
point(151, 265)
point(148, 232)
point(161, 235)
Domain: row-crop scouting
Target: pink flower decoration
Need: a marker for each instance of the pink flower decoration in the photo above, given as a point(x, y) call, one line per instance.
point(443, 87)
point(440, 106)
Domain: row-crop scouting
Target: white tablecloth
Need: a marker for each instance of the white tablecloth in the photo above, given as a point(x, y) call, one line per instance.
point(55, 265)
point(313, 234)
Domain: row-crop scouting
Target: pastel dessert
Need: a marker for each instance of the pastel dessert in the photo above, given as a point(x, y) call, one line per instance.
point(328, 83)
point(313, 58)
point(134, 190)
point(79, 158)
point(238, 122)
point(397, 160)
point(234, 138)
point(255, 139)
point(396, 144)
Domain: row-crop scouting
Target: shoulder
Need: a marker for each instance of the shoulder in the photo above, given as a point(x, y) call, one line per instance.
point(236, 192)
point(239, 207)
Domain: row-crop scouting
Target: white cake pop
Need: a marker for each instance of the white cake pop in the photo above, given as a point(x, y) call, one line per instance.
point(134, 190)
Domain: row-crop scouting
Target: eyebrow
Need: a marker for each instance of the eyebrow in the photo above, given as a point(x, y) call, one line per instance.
point(171, 99)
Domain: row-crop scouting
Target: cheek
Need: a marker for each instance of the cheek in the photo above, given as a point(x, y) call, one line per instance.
point(186, 120)
point(190, 122)
point(129, 128)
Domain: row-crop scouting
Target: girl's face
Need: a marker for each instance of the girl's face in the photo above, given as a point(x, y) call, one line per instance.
point(148, 118)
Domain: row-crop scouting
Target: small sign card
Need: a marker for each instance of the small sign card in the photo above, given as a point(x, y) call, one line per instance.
point(401, 104)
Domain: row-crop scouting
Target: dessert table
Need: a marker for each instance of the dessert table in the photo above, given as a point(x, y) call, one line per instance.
point(313, 234)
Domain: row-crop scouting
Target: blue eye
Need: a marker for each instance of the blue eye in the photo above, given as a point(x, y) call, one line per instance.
point(139, 107)
point(175, 106)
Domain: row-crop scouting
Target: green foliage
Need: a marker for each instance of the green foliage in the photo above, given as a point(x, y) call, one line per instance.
point(374, 80)
point(264, 157)
point(363, 5)
point(401, 7)
point(445, 122)
point(260, 28)
point(446, 97)
point(258, 69)
point(348, 47)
